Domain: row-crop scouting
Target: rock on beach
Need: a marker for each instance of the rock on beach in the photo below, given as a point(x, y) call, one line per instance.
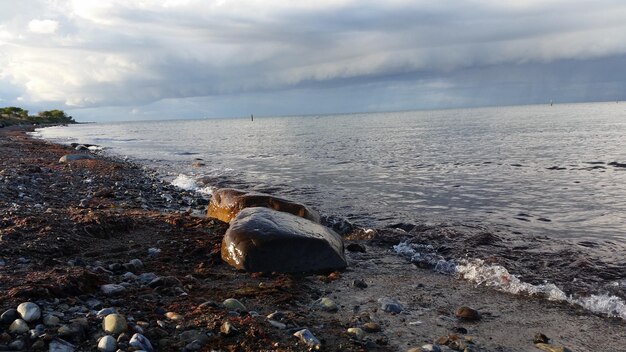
point(265, 240)
point(73, 157)
point(226, 203)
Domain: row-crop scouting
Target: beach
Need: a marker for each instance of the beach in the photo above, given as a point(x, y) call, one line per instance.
point(91, 237)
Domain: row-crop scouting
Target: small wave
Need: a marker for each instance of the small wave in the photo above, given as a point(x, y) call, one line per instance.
point(499, 278)
point(189, 184)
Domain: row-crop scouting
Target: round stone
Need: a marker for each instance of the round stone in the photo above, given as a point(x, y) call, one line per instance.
point(467, 313)
point(107, 344)
point(114, 324)
point(371, 327)
point(358, 333)
point(327, 304)
point(19, 326)
point(234, 304)
point(140, 342)
point(9, 316)
point(51, 320)
point(173, 316)
point(29, 311)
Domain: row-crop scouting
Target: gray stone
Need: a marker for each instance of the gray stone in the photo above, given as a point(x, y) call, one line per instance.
point(140, 342)
point(358, 333)
point(430, 348)
point(17, 345)
point(146, 278)
point(51, 320)
point(114, 324)
point(29, 311)
point(226, 203)
point(194, 345)
point(390, 305)
point(265, 240)
point(9, 316)
point(234, 304)
point(112, 289)
point(107, 344)
point(59, 345)
point(73, 157)
point(138, 264)
point(327, 304)
point(19, 326)
point(227, 329)
point(106, 311)
point(308, 338)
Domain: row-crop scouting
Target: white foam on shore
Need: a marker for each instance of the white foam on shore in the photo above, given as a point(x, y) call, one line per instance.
point(189, 184)
point(499, 278)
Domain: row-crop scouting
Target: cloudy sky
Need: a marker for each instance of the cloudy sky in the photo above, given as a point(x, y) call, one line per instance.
point(124, 60)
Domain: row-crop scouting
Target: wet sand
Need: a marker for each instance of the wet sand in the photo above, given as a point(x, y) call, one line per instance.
point(68, 229)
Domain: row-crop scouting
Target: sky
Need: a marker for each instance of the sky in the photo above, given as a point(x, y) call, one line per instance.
point(135, 60)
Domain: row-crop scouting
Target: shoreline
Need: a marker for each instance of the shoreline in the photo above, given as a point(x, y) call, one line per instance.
point(61, 252)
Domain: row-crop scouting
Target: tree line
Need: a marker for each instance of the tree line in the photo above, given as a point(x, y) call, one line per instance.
point(14, 115)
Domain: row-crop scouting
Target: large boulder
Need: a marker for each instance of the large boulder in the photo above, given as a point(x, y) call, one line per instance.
point(226, 203)
point(264, 240)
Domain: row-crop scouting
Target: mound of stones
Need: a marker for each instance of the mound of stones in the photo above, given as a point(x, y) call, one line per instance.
point(272, 234)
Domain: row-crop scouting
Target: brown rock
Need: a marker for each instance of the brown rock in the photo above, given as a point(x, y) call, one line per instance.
point(226, 203)
point(467, 313)
point(264, 240)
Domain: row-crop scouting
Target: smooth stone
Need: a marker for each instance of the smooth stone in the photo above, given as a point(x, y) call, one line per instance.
point(430, 348)
point(73, 157)
point(38, 345)
point(29, 311)
point(106, 311)
point(141, 342)
point(371, 327)
point(72, 331)
point(541, 338)
point(359, 283)
point(358, 333)
point(51, 320)
point(265, 240)
point(308, 338)
point(138, 264)
point(227, 329)
point(277, 324)
point(234, 304)
point(9, 316)
point(19, 326)
point(59, 345)
point(467, 313)
point(390, 305)
point(107, 344)
point(226, 203)
point(327, 304)
point(146, 278)
point(173, 316)
point(17, 345)
point(112, 289)
point(114, 324)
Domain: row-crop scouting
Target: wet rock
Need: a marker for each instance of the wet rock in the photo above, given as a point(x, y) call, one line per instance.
point(19, 326)
point(38, 345)
point(467, 313)
point(277, 324)
point(541, 338)
point(17, 345)
point(51, 320)
point(327, 304)
point(226, 203)
point(173, 316)
point(114, 324)
point(430, 348)
point(29, 311)
point(390, 305)
point(72, 331)
point(308, 338)
point(59, 345)
point(107, 344)
point(166, 281)
point(106, 311)
point(139, 341)
point(264, 240)
point(233, 304)
point(146, 278)
point(358, 333)
point(9, 316)
point(112, 289)
point(73, 157)
point(371, 327)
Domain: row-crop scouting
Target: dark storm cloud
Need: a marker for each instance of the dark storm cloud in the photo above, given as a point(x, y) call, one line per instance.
point(414, 54)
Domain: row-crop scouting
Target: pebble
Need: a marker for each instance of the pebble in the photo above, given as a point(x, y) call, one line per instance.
point(234, 304)
point(371, 327)
point(308, 338)
point(38, 345)
point(194, 345)
point(146, 278)
point(112, 289)
point(9, 316)
point(138, 264)
point(72, 331)
point(467, 313)
point(430, 348)
point(140, 342)
point(173, 316)
point(390, 305)
point(355, 247)
point(358, 333)
point(327, 304)
point(227, 329)
point(51, 320)
point(29, 311)
point(19, 326)
point(277, 324)
point(359, 283)
point(153, 251)
point(59, 345)
point(17, 345)
point(114, 324)
point(106, 311)
point(541, 338)
point(107, 344)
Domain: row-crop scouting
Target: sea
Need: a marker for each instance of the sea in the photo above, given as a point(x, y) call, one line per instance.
point(524, 199)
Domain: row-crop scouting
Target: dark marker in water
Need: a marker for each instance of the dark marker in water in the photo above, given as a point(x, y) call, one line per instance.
point(251, 117)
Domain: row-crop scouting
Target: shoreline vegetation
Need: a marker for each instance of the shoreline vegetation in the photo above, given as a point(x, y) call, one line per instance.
point(12, 115)
point(110, 257)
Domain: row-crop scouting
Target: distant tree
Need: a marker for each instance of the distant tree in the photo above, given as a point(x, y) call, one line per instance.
point(13, 111)
point(55, 116)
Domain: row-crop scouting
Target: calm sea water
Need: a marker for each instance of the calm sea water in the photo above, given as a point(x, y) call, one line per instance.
point(533, 169)
point(538, 190)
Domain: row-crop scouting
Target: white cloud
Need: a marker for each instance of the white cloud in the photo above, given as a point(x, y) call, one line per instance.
point(43, 26)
